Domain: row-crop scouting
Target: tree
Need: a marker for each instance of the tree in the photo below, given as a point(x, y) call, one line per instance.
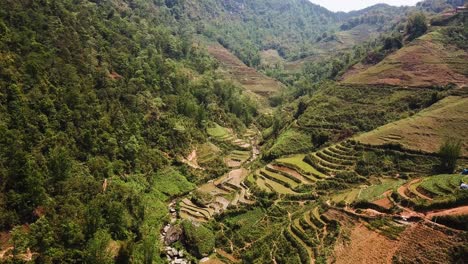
point(200, 239)
point(19, 239)
point(301, 107)
point(416, 26)
point(449, 152)
point(97, 249)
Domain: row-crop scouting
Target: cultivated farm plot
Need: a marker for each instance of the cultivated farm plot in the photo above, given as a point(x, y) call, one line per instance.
point(188, 210)
point(239, 156)
point(339, 158)
point(348, 196)
point(297, 162)
point(425, 62)
point(273, 186)
point(291, 173)
point(220, 133)
point(256, 85)
point(279, 178)
point(207, 152)
point(375, 192)
point(427, 130)
point(442, 185)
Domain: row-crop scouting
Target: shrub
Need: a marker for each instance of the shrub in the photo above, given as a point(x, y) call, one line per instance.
point(199, 240)
point(449, 153)
point(417, 26)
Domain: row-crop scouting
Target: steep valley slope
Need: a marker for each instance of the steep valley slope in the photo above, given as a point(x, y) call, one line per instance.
point(166, 132)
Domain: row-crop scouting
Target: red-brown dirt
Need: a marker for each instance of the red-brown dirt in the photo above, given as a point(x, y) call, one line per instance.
point(462, 210)
point(422, 244)
point(365, 246)
point(289, 171)
point(384, 202)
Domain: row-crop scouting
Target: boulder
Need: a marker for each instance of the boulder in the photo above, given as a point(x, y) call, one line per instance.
point(173, 234)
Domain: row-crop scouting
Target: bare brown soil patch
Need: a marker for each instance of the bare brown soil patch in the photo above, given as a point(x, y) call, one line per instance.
point(4, 239)
point(463, 210)
point(384, 202)
point(422, 244)
point(344, 219)
point(403, 190)
point(227, 255)
point(365, 246)
point(192, 160)
point(211, 261)
point(115, 76)
point(419, 243)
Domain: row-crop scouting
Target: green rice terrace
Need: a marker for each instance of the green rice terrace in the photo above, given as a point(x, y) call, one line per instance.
point(312, 204)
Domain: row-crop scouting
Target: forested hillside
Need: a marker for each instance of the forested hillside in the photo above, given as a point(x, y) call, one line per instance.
point(290, 27)
point(95, 90)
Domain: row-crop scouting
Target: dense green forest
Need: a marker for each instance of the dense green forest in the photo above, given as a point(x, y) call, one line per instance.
point(285, 26)
point(94, 90)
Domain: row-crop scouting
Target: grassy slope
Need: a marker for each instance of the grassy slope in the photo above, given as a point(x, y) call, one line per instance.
point(428, 129)
point(427, 61)
point(289, 142)
point(360, 108)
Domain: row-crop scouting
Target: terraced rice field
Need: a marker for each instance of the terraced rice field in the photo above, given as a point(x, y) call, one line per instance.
point(298, 243)
point(333, 160)
point(313, 233)
point(348, 196)
point(441, 185)
point(297, 163)
point(374, 192)
point(188, 210)
point(291, 173)
point(262, 184)
point(413, 188)
point(207, 152)
point(239, 155)
point(249, 78)
point(278, 178)
point(218, 195)
point(220, 133)
point(431, 189)
point(427, 130)
point(276, 187)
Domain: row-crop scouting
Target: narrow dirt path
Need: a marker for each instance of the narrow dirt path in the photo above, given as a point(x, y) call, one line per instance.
point(402, 189)
point(3, 252)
